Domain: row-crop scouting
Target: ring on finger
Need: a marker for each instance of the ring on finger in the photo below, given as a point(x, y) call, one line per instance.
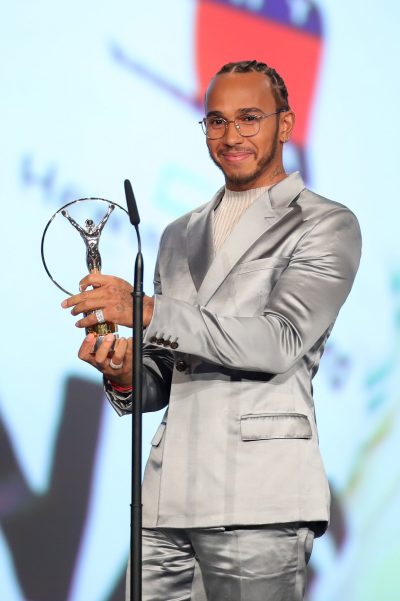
point(115, 365)
point(99, 316)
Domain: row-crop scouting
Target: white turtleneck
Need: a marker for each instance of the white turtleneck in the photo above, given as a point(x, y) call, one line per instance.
point(229, 211)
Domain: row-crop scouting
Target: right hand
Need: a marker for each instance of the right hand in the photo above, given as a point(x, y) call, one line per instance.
point(110, 294)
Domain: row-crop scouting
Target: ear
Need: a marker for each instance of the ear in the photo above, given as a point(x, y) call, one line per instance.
point(287, 121)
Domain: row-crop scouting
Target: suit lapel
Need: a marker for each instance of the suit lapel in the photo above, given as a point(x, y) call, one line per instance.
point(264, 213)
point(200, 240)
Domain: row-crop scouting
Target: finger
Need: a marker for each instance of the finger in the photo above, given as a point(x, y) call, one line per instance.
point(95, 279)
point(97, 298)
point(91, 320)
point(117, 311)
point(101, 356)
point(89, 304)
point(74, 299)
point(86, 349)
point(114, 298)
point(120, 349)
point(89, 296)
point(70, 301)
point(123, 375)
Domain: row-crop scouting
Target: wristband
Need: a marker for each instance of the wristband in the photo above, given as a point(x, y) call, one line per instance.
point(120, 388)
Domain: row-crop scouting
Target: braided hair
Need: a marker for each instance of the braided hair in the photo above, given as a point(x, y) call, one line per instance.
point(279, 89)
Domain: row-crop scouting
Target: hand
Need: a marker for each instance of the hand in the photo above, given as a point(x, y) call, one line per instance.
point(110, 294)
point(100, 360)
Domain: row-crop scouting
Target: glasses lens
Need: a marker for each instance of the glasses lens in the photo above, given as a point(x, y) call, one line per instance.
point(249, 125)
point(214, 127)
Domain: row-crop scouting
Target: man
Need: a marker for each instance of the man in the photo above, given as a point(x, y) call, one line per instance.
point(247, 289)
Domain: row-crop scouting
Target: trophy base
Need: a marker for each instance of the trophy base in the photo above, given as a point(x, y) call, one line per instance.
point(100, 330)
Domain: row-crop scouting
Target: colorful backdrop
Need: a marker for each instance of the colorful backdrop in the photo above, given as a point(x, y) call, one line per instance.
point(96, 92)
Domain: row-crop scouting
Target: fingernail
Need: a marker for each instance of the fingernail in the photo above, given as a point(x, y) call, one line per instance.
point(89, 337)
point(80, 288)
point(64, 303)
point(78, 324)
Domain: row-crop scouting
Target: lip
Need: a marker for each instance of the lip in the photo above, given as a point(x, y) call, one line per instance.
point(234, 157)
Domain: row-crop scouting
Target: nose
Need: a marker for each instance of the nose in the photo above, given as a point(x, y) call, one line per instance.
point(232, 135)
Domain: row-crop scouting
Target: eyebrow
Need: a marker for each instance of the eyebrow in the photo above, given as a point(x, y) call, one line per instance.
point(251, 109)
point(241, 111)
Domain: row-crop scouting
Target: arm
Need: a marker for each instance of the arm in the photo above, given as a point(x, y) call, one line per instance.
point(303, 304)
point(73, 222)
point(105, 219)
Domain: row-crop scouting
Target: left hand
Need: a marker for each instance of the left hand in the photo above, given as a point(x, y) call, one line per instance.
point(101, 360)
point(110, 294)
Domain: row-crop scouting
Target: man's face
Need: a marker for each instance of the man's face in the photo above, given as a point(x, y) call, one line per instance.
point(247, 162)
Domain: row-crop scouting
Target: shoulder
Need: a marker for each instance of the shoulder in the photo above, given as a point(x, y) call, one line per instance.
point(313, 204)
point(329, 227)
point(316, 208)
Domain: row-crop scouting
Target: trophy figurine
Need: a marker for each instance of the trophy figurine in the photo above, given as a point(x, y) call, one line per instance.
point(90, 234)
point(91, 237)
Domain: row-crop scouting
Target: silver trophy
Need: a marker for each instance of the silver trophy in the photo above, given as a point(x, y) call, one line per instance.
point(91, 236)
point(90, 233)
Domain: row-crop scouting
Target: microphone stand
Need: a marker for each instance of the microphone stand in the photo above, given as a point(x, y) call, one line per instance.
point(137, 365)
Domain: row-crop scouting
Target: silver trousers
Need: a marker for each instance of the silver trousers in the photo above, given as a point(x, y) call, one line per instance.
point(266, 563)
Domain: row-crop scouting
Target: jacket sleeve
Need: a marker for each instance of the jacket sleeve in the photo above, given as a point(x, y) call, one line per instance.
point(157, 372)
point(301, 307)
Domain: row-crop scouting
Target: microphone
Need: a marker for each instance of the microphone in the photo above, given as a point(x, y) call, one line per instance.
point(135, 220)
point(137, 368)
point(131, 204)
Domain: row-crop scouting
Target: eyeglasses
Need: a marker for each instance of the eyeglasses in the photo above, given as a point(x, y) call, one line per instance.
point(246, 125)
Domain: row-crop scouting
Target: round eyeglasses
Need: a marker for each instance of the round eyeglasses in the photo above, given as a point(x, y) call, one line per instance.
point(246, 125)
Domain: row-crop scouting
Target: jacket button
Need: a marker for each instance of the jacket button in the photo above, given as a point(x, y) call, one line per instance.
point(160, 341)
point(174, 345)
point(181, 365)
point(167, 343)
point(153, 339)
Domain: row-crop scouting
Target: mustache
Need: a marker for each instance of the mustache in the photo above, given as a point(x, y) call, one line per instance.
point(235, 151)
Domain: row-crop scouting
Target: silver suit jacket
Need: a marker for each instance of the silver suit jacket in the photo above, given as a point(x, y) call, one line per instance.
point(232, 348)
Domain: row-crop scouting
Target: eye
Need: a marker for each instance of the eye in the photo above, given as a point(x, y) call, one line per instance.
point(248, 118)
point(215, 122)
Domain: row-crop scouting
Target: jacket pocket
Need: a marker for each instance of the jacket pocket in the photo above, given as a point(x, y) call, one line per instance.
point(258, 264)
point(267, 426)
point(158, 435)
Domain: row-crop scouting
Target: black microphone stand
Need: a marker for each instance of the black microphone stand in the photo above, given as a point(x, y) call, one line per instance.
point(137, 364)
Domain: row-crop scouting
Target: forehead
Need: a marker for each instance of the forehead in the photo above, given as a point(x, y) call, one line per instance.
point(230, 92)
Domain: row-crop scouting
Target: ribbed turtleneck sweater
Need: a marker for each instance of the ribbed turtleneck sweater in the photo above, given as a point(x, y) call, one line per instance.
point(229, 211)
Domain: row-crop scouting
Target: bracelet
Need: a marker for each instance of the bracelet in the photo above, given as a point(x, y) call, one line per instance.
point(120, 388)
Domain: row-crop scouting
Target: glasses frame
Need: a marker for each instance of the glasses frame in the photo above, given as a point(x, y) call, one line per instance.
point(237, 125)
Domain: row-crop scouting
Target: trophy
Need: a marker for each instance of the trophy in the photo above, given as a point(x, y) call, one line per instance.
point(90, 232)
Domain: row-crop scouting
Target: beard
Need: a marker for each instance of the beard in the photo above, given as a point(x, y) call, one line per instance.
point(261, 166)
